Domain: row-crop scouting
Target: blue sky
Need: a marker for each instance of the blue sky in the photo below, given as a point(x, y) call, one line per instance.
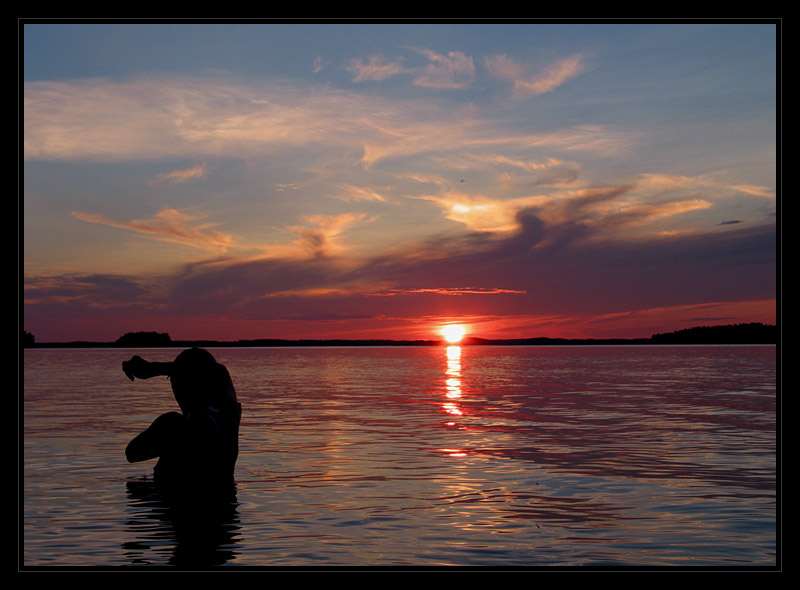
point(381, 180)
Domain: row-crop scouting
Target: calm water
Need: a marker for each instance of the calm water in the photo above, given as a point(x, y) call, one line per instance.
point(487, 456)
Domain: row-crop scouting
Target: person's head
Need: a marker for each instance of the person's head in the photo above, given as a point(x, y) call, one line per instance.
point(196, 378)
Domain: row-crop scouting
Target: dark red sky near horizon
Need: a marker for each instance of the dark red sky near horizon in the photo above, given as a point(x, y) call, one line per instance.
point(556, 290)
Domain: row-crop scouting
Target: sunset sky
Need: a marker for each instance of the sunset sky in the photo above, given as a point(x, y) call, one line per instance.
point(238, 181)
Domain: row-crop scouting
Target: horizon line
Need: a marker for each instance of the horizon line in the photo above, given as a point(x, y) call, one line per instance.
point(163, 340)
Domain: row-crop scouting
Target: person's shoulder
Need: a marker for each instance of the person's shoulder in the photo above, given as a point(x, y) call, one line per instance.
point(169, 420)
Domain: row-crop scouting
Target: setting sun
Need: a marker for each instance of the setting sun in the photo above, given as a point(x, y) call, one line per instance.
point(453, 333)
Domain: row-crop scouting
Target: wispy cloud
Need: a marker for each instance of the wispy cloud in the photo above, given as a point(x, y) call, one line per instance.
point(516, 173)
point(528, 84)
point(345, 290)
point(319, 238)
point(641, 214)
point(454, 70)
point(151, 119)
point(457, 291)
point(375, 68)
point(756, 191)
point(451, 135)
point(92, 291)
point(180, 176)
point(350, 193)
point(170, 225)
point(607, 210)
point(672, 182)
point(502, 66)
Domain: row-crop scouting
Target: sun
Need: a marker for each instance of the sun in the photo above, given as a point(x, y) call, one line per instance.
point(453, 333)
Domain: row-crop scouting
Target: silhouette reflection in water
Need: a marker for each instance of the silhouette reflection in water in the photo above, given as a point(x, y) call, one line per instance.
point(193, 488)
point(187, 535)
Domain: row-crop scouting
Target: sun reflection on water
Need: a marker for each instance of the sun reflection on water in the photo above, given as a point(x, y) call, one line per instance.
point(453, 374)
point(453, 390)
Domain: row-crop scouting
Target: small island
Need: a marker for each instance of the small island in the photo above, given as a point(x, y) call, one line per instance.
point(751, 333)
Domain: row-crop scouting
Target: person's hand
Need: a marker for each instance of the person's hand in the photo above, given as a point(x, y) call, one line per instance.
point(137, 367)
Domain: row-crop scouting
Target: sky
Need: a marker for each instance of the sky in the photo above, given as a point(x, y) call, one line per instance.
point(233, 181)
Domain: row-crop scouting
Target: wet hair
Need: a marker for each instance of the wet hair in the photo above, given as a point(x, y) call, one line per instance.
point(194, 360)
point(197, 379)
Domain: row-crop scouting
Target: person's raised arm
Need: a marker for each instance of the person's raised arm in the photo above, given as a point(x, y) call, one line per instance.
point(142, 369)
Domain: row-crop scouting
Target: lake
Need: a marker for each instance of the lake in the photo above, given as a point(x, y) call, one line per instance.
point(419, 457)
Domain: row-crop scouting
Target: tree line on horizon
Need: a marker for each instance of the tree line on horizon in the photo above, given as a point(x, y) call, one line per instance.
point(750, 333)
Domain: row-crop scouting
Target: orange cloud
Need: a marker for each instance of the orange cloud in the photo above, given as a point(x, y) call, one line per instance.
point(757, 191)
point(446, 291)
point(546, 80)
point(670, 182)
point(178, 176)
point(484, 214)
point(320, 237)
point(551, 78)
point(352, 193)
point(170, 225)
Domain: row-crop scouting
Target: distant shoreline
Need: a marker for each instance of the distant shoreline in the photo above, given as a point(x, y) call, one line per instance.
point(277, 343)
point(709, 335)
point(399, 343)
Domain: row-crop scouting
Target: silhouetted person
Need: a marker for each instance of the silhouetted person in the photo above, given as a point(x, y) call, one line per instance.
point(197, 448)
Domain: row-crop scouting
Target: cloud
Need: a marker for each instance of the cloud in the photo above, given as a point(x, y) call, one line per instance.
point(484, 214)
point(320, 237)
point(546, 80)
point(502, 66)
point(180, 176)
point(92, 291)
point(672, 182)
point(639, 214)
point(757, 191)
point(170, 225)
point(350, 193)
point(516, 173)
point(454, 70)
point(332, 291)
point(551, 78)
point(448, 136)
point(154, 119)
point(607, 210)
point(376, 68)
point(458, 291)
